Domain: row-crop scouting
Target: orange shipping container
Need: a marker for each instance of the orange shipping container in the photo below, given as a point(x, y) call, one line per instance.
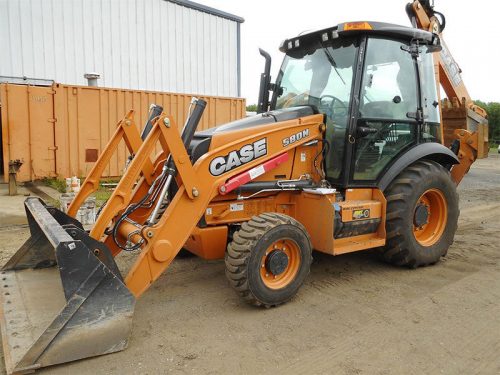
point(59, 131)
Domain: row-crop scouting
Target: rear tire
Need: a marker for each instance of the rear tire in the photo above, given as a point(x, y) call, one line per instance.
point(268, 259)
point(422, 215)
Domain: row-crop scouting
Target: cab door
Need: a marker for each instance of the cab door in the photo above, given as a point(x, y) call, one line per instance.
point(386, 123)
point(398, 108)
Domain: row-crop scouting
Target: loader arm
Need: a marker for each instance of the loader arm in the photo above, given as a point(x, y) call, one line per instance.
point(464, 124)
point(197, 187)
point(126, 130)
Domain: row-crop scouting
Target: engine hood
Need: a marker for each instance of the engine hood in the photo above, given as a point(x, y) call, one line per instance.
point(201, 140)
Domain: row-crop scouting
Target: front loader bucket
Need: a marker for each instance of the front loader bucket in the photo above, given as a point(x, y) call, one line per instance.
point(62, 297)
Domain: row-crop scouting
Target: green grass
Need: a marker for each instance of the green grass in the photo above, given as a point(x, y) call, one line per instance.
point(101, 195)
point(59, 185)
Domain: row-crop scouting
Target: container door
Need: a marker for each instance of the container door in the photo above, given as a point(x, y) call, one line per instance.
point(42, 122)
point(28, 130)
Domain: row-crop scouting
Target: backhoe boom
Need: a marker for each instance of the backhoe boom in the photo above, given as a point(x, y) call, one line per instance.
point(463, 122)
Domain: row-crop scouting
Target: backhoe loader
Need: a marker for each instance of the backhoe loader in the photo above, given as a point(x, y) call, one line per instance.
point(354, 150)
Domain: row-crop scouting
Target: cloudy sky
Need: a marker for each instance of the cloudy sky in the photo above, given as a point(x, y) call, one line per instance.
point(472, 33)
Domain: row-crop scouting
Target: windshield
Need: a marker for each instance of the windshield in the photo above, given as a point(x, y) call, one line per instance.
point(320, 75)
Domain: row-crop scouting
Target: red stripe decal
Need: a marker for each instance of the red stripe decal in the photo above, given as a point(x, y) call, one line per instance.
point(253, 173)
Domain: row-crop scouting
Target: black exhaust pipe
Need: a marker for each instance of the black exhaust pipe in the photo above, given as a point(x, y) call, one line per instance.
point(265, 83)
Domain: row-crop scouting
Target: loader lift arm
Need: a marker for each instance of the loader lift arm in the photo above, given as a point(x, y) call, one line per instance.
point(162, 240)
point(197, 187)
point(465, 125)
point(126, 130)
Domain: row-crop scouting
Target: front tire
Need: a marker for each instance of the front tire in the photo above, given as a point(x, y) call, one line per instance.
point(422, 215)
point(268, 259)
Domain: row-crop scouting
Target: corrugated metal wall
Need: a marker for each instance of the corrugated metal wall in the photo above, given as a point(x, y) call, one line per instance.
point(51, 128)
point(135, 44)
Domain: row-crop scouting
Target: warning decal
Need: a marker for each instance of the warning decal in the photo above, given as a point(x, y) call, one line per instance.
point(360, 214)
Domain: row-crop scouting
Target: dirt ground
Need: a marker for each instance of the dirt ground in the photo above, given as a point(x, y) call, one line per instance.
point(354, 315)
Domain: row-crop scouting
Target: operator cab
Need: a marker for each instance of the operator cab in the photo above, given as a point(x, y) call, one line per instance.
point(375, 84)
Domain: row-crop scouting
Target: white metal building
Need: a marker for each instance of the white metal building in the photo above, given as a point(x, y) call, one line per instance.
point(159, 45)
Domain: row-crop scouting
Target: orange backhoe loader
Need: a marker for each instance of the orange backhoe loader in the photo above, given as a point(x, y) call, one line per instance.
point(353, 151)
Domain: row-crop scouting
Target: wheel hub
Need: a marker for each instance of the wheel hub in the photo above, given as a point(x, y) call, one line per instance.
point(276, 262)
point(421, 216)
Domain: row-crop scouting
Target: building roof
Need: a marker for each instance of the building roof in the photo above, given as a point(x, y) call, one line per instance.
point(207, 9)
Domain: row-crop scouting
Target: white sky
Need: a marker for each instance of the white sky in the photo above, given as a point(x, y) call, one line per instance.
point(472, 33)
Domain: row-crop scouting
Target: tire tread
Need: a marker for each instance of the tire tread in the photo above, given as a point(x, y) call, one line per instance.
point(398, 248)
point(239, 250)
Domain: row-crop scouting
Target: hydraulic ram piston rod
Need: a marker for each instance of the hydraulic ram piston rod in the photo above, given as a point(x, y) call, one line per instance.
point(169, 167)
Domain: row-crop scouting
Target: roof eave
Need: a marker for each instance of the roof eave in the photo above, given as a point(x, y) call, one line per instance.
point(208, 10)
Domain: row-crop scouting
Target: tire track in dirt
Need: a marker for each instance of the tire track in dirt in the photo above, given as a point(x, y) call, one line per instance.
point(344, 275)
point(453, 307)
point(365, 274)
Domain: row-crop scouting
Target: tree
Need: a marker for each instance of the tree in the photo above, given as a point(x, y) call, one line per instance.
point(493, 110)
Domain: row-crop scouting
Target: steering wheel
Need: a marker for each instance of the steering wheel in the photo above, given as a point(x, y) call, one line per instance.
point(327, 103)
point(295, 99)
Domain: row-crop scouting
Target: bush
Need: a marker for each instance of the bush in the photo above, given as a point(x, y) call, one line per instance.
point(252, 108)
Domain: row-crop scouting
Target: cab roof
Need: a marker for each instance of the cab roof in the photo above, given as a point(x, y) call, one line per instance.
point(347, 29)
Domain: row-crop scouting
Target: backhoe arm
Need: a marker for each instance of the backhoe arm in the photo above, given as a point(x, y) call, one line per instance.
point(464, 124)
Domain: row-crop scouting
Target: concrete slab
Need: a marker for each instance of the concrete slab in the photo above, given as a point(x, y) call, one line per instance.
point(12, 208)
point(43, 191)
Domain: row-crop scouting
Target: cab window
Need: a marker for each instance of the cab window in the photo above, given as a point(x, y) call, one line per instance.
point(388, 100)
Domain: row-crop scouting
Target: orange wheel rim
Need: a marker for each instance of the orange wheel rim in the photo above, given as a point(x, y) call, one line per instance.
point(430, 217)
point(286, 253)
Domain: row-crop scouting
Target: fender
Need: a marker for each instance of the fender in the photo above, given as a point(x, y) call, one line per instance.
point(431, 151)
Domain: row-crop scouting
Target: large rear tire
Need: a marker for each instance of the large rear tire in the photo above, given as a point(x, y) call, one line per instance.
point(422, 215)
point(268, 259)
